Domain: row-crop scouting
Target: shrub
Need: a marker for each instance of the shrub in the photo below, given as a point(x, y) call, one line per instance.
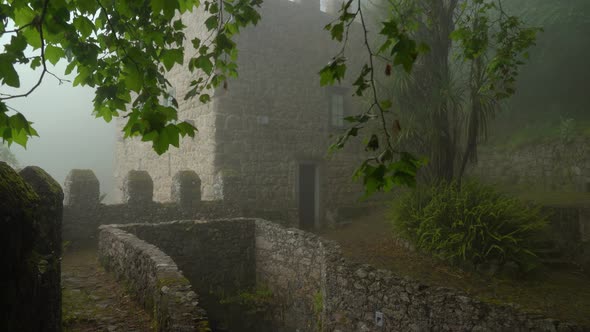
point(472, 223)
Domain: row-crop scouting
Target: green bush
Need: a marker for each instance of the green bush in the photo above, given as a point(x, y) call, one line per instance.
point(469, 224)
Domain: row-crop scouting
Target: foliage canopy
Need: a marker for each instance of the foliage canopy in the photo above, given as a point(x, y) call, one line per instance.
point(440, 68)
point(123, 49)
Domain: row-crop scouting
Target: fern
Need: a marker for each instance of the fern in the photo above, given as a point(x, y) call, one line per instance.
point(470, 223)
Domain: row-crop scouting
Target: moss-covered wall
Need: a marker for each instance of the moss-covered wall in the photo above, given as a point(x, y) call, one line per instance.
point(30, 250)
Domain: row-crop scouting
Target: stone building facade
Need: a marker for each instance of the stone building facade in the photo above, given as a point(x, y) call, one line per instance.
point(263, 141)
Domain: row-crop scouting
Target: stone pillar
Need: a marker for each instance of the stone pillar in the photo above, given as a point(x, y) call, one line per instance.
point(81, 206)
point(48, 245)
point(82, 189)
point(138, 188)
point(30, 248)
point(186, 189)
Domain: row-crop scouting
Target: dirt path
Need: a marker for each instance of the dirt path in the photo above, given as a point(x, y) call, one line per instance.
point(92, 299)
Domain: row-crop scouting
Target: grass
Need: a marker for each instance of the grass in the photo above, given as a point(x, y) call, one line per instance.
point(563, 295)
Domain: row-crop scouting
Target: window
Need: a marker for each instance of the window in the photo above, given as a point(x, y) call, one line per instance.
point(337, 109)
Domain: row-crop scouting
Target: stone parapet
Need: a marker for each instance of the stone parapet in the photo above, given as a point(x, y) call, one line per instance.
point(81, 188)
point(314, 287)
point(83, 214)
point(154, 279)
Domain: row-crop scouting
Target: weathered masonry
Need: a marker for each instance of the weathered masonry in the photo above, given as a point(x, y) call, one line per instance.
point(309, 285)
point(84, 213)
point(30, 250)
point(263, 142)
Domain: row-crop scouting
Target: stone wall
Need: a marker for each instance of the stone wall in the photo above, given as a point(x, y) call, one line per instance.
point(154, 279)
point(83, 212)
point(30, 250)
point(550, 166)
point(291, 264)
point(212, 255)
point(362, 298)
point(314, 288)
point(217, 258)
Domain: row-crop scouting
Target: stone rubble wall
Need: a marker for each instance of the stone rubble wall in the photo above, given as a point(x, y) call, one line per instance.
point(356, 293)
point(315, 288)
point(291, 264)
point(337, 295)
point(30, 250)
point(214, 255)
point(154, 279)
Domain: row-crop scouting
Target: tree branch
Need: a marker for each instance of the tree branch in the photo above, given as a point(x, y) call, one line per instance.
point(43, 61)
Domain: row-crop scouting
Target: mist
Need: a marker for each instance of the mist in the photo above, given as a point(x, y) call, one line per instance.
point(69, 135)
point(379, 165)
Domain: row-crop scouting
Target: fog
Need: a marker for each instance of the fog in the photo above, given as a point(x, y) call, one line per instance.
point(445, 188)
point(69, 135)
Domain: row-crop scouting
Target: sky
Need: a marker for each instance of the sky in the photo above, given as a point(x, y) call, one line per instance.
point(70, 136)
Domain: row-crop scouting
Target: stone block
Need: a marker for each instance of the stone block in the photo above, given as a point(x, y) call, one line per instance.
point(138, 188)
point(186, 189)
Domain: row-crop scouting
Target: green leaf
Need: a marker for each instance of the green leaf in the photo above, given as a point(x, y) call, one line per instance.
point(53, 54)
point(386, 104)
point(32, 36)
point(333, 72)
point(212, 22)
point(224, 44)
point(158, 5)
point(23, 15)
point(8, 74)
point(134, 77)
point(18, 122)
point(171, 57)
point(186, 128)
point(84, 26)
point(196, 43)
point(203, 62)
point(204, 98)
point(337, 31)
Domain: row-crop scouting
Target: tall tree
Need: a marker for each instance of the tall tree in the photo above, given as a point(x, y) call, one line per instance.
point(459, 59)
